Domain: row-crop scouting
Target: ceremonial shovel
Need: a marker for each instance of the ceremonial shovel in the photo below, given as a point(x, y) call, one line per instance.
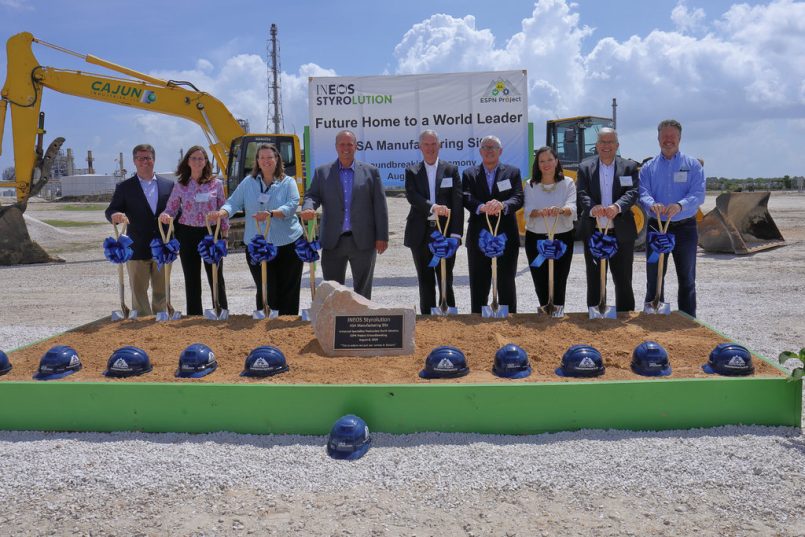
point(310, 234)
point(215, 314)
point(265, 312)
point(550, 308)
point(602, 311)
point(124, 312)
point(495, 310)
point(170, 314)
point(656, 307)
point(443, 308)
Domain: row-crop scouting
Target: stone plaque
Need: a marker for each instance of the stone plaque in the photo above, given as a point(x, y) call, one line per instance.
point(368, 332)
point(347, 324)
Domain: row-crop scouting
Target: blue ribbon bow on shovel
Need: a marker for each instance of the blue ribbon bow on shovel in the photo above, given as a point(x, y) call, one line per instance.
point(491, 245)
point(164, 252)
point(306, 250)
point(660, 243)
point(602, 246)
point(118, 250)
point(549, 249)
point(212, 251)
point(442, 247)
point(260, 250)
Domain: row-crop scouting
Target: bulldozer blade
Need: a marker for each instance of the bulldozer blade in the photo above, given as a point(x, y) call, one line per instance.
point(499, 312)
point(602, 312)
point(740, 224)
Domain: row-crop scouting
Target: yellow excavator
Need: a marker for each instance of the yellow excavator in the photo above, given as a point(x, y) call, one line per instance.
point(232, 148)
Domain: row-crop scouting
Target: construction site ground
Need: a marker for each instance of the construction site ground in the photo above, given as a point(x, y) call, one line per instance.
point(740, 480)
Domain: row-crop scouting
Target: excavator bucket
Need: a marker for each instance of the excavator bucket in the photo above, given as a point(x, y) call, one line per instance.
point(740, 224)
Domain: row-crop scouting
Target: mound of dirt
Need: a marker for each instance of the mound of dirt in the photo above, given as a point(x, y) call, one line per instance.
point(687, 342)
point(16, 246)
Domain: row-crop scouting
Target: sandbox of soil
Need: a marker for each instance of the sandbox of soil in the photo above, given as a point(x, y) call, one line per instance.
point(687, 342)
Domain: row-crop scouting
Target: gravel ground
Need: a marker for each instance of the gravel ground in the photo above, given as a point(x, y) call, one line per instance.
point(720, 481)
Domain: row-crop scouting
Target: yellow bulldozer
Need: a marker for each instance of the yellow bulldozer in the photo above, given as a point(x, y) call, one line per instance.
point(230, 145)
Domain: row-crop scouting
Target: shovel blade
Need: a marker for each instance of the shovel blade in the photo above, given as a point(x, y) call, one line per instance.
point(118, 315)
point(305, 315)
point(176, 315)
point(449, 310)
point(657, 308)
point(557, 312)
point(133, 314)
point(258, 315)
point(162, 316)
point(607, 312)
point(212, 316)
point(501, 312)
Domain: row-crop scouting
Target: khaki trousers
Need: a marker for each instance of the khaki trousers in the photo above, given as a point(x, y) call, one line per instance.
point(143, 272)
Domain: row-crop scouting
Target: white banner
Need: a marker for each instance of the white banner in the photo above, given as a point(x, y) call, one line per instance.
point(387, 113)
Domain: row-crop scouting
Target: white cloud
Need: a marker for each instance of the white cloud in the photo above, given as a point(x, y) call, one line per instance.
point(744, 73)
point(688, 20)
point(19, 5)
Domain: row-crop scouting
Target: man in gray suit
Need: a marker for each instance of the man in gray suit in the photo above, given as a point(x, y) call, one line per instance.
point(354, 219)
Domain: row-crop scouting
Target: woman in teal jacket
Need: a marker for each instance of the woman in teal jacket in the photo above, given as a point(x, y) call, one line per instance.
point(269, 193)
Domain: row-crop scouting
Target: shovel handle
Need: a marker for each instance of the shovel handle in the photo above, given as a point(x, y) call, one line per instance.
point(494, 231)
point(209, 228)
point(263, 228)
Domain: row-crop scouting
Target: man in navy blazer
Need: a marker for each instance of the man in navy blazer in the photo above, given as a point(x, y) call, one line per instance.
point(354, 220)
point(607, 187)
point(496, 190)
point(138, 201)
point(433, 188)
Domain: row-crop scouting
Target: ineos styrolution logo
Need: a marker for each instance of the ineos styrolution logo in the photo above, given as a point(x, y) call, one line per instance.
point(338, 94)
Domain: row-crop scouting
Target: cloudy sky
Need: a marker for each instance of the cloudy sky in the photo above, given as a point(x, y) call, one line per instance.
point(732, 73)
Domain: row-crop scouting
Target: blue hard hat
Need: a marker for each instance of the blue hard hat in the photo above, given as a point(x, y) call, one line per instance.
point(581, 361)
point(511, 362)
point(5, 364)
point(349, 438)
point(196, 361)
point(264, 361)
point(650, 359)
point(444, 362)
point(57, 363)
point(128, 362)
point(729, 359)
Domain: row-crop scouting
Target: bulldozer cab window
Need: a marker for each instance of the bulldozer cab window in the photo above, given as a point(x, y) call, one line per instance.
point(243, 151)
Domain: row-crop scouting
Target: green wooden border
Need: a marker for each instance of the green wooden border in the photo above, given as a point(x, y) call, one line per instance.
point(500, 408)
point(482, 408)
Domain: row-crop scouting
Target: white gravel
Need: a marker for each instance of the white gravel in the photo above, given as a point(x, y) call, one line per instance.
point(720, 481)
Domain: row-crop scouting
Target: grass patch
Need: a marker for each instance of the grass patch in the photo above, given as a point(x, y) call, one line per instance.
point(71, 223)
point(83, 207)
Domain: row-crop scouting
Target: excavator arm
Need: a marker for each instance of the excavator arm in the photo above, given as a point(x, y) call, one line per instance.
point(26, 79)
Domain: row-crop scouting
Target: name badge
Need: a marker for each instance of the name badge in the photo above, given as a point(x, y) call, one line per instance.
point(626, 180)
point(202, 197)
point(680, 177)
point(447, 182)
point(504, 185)
point(263, 198)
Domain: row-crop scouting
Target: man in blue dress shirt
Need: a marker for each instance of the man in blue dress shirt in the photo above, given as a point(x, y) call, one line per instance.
point(673, 185)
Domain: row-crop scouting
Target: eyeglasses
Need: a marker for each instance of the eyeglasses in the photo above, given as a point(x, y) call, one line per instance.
point(489, 148)
point(143, 159)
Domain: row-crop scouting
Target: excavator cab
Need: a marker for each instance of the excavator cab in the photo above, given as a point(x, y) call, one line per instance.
point(243, 149)
point(574, 139)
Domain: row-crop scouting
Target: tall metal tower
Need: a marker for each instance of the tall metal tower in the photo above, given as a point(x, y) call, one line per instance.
point(274, 120)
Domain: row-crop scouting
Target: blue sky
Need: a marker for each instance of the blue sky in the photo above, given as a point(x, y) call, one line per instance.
point(732, 73)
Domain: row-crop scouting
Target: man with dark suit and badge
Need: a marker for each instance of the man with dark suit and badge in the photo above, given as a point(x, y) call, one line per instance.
point(607, 187)
point(495, 190)
point(137, 202)
point(433, 188)
point(354, 219)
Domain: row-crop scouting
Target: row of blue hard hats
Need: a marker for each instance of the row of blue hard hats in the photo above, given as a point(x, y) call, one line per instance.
point(648, 359)
point(197, 360)
point(511, 361)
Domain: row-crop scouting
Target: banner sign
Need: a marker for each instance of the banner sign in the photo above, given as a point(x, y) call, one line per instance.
point(387, 114)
